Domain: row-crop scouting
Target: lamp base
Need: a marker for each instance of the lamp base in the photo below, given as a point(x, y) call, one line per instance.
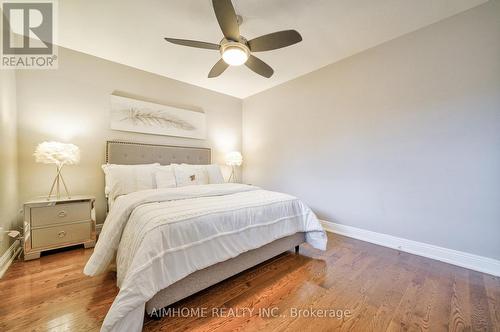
point(232, 177)
point(56, 185)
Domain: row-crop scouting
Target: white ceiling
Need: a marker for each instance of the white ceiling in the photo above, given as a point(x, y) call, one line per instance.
point(131, 32)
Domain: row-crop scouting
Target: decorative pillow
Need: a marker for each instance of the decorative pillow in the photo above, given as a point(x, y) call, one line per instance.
point(125, 179)
point(165, 177)
point(186, 175)
point(214, 172)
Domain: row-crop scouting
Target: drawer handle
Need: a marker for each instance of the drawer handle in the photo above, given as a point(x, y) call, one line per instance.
point(61, 234)
point(62, 214)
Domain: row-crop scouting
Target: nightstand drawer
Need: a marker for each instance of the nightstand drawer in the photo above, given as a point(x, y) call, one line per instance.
point(52, 236)
point(60, 213)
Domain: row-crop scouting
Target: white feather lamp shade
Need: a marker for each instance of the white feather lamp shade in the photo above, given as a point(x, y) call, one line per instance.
point(57, 153)
point(234, 158)
point(60, 154)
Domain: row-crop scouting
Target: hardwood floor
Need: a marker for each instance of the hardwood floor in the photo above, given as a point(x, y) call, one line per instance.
point(363, 286)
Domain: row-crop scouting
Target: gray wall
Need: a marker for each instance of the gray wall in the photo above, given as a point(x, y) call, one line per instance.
point(402, 139)
point(8, 156)
point(72, 104)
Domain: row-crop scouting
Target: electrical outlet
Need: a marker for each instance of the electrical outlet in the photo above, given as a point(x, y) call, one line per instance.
point(1, 234)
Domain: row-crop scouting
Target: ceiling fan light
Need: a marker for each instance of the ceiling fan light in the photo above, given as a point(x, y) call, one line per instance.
point(234, 55)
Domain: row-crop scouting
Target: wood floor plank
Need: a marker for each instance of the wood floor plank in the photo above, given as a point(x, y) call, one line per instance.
point(389, 292)
point(460, 303)
point(480, 315)
point(380, 288)
point(440, 304)
point(492, 285)
point(403, 312)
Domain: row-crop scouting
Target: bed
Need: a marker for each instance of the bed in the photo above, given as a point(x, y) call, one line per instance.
point(140, 224)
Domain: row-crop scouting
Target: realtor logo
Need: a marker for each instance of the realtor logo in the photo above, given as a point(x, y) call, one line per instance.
point(28, 31)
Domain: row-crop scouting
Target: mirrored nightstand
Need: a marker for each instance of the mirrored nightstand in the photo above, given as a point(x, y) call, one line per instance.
point(57, 223)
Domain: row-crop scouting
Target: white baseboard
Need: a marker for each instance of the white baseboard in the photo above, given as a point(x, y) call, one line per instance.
point(8, 257)
point(459, 258)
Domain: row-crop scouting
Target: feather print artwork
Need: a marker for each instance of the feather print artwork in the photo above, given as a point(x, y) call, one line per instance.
point(155, 118)
point(129, 114)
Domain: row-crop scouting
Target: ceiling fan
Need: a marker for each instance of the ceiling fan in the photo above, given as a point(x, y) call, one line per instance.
point(234, 48)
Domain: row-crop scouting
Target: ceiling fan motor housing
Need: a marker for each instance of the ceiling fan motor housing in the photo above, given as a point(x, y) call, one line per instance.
point(234, 52)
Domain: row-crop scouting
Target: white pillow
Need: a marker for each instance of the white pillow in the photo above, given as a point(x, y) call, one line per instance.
point(214, 174)
point(186, 175)
point(165, 177)
point(125, 179)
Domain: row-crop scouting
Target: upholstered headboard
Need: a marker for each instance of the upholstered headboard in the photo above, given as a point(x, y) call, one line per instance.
point(130, 153)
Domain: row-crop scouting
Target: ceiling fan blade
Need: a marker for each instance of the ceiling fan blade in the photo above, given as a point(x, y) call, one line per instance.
point(226, 16)
point(218, 69)
point(193, 43)
point(259, 66)
point(274, 41)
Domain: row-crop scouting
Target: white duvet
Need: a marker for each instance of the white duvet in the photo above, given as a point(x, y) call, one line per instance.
point(160, 236)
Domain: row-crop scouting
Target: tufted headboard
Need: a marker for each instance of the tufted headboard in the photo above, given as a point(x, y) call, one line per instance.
point(130, 153)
